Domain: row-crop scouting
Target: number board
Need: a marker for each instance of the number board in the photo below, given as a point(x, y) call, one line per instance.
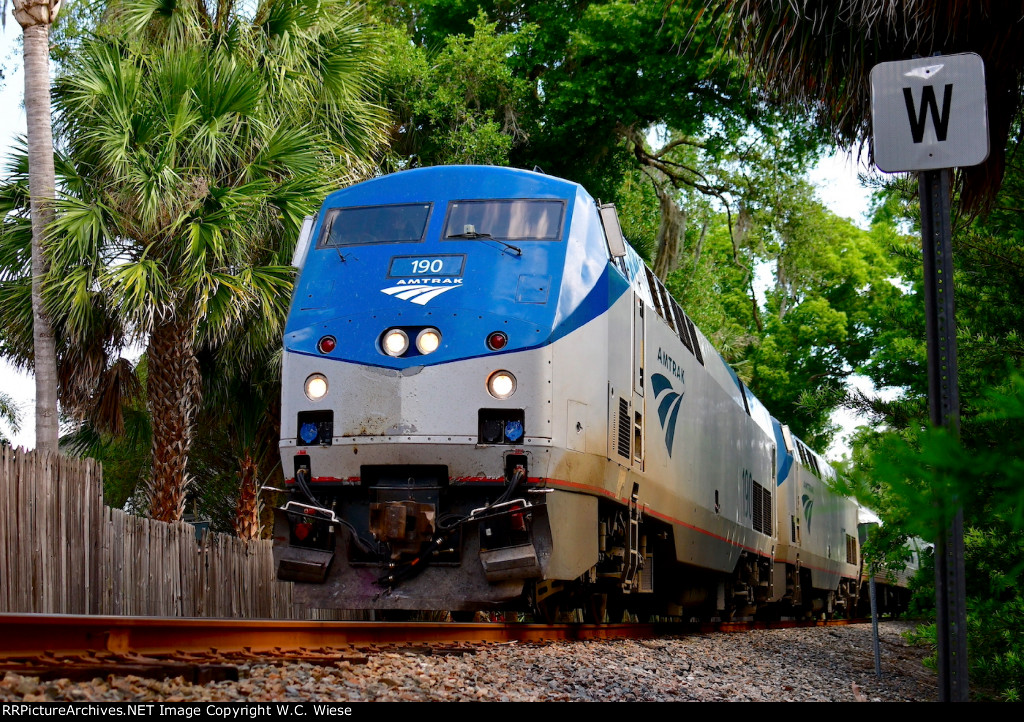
point(417, 266)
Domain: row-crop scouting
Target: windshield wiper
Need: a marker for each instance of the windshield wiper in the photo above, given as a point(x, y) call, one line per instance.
point(471, 234)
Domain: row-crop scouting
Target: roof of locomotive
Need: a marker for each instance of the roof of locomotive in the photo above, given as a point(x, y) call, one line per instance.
point(472, 182)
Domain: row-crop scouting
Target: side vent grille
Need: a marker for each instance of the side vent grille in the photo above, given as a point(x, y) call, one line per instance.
point(851, 550)
point(762, 509)
point(696, 341)
point(808, 458)
point(684, 335)
point(624, 428)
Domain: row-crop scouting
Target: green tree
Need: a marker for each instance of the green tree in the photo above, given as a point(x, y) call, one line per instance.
point(196, 140)
point(915, 475)
point(459, 103)
point(828, 289)
point(9, 414)
point(577, 87)
point(641, 103)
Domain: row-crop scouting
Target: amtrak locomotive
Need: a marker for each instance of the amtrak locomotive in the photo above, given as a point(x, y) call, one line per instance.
point(489, 401)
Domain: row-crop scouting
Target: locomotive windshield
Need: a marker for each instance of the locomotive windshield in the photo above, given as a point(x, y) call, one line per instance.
point(507, 220)
point(375, 224)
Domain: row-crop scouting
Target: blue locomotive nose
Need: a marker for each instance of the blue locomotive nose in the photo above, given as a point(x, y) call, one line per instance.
point(410, 276)
point(407, 338)
point(500, 304)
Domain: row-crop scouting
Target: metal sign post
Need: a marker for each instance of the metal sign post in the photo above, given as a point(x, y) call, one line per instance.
point(930, 115)
point(873, 592)
point(944, 406)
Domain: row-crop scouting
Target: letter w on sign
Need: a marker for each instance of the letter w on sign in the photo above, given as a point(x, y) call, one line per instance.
point(917, 117)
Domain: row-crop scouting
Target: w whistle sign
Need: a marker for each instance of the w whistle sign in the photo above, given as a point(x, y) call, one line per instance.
point(929, 113)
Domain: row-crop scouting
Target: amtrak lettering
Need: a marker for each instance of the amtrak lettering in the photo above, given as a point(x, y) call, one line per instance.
point(419, 293)
point(673, 368)
point(421, 281)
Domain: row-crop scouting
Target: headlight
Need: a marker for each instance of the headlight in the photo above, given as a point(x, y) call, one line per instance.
point(428, 340)
point(316, 387)
point(395, 342)
point(501, 384)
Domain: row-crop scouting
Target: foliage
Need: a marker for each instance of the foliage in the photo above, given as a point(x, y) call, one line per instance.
point(829, 287)
point(915, 476)
point(644, 104)
point(570, 83)
point(458, 104)
point(930, 471)
point(126, 457)
point(78, 21)
point(9, 415)
point(994, 619)
point(996, 652)
point(195, 140)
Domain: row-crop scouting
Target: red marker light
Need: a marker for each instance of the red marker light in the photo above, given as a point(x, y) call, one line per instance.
point(326, 344)
point(497, 341)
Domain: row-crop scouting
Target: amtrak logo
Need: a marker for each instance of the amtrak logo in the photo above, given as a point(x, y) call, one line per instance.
point(668, 407)
point(808, 509)
point(420, 294)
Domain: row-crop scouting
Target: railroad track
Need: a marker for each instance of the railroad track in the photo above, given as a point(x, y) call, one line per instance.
point(204, 650)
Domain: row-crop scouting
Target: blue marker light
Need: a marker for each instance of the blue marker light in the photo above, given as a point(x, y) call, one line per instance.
point(514, 430)
point(308, 432)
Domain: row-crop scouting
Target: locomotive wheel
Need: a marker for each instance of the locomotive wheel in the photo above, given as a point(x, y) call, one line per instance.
point(596, 608)
point(547, 599)
point(616, 606)
point(547, 611)
point(769, 612)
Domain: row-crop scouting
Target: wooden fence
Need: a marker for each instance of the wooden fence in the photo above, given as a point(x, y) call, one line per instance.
point(63, 552)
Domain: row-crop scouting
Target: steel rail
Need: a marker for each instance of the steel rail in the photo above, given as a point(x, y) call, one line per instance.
point(25, 635)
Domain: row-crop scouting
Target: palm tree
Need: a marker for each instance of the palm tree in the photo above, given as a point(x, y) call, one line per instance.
point(820, 53)
point(198, 142)
point(35, 18)
point(9, 414)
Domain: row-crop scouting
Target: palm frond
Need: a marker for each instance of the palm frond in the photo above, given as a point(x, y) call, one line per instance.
point(143, 292)
point(16, 344)
point(10, 413)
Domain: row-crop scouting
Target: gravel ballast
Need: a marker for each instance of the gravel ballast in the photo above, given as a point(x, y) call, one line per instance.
point(818, 664)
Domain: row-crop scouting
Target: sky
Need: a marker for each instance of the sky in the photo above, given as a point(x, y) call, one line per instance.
point(20, 386)
point(835, 178)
